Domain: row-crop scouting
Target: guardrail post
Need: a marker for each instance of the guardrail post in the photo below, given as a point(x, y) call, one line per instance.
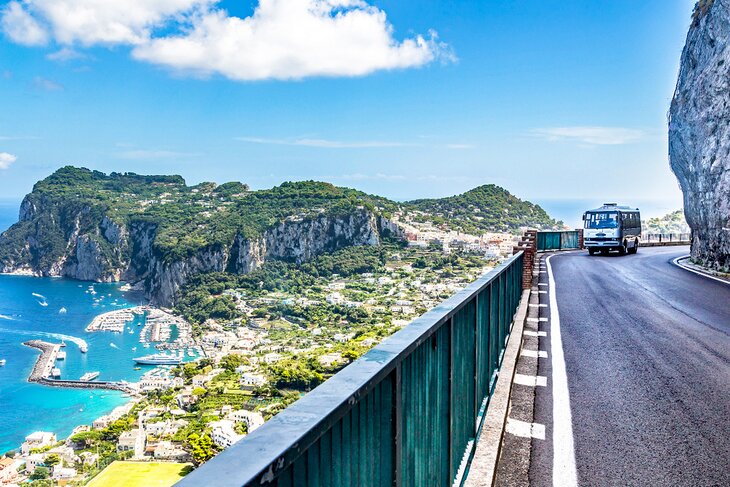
point(581, 242)
point(527, 244)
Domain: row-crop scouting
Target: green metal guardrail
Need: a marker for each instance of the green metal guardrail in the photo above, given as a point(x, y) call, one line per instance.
point(406, 413)
point(557, 240)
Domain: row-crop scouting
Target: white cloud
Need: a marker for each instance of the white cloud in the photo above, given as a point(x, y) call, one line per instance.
point(591, 135)
point(323, 143)
point(90, 22)
point(43, 84)
point(6, 160)
point(21, 27)
point(282, 39)
point(66, 54)
point(291, 39)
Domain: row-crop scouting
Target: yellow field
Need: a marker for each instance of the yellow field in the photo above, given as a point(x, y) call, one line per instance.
point(140, 474)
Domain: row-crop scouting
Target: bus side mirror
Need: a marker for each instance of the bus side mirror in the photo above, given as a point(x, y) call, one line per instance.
point(584, 216)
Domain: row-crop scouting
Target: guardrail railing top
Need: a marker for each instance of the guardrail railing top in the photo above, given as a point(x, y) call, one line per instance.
point(275, 445)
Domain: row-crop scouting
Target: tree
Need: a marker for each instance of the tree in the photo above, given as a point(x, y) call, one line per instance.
point(201, 447)
point(52, 459)
point(39, 473)
point(231, 362)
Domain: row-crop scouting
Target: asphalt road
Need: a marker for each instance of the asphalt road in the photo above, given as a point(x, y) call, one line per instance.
point(647, 358)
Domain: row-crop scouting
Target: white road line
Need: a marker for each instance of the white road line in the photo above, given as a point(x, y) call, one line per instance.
point(524, 429)
point(536, 320)
point(534, 353)
point(534, 333)
point(542, 284)
point(542, 292)
point(530, 380)
point(538, 305)
point(564, 470)
point(676, 262)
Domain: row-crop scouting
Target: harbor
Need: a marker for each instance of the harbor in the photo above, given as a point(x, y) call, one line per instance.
point(45, 372)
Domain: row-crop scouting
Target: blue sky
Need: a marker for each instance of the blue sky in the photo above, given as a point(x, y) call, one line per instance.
point(554, 100)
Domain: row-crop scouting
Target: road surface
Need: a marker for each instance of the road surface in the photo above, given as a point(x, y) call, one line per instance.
point(646, 350)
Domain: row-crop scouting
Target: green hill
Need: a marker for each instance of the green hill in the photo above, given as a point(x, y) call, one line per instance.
point(485, 208)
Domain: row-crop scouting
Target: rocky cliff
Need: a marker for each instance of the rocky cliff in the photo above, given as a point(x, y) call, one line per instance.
point(105, 251)
point(699, 132)
point(90, 226)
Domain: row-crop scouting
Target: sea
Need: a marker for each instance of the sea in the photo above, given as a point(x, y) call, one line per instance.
point(55, 310)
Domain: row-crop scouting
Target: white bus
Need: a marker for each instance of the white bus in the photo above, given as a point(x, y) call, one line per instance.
point(612, 227)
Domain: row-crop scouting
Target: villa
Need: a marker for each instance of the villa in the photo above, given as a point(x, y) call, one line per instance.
point(39, 439)
point(223, 433)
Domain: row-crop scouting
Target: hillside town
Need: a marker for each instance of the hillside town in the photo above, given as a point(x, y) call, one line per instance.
point(280, 345)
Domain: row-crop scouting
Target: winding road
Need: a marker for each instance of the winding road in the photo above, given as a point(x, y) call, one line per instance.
point(646, 349)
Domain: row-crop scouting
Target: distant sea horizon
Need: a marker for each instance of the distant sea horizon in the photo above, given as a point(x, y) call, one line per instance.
point(570, 211)
point(8, 213)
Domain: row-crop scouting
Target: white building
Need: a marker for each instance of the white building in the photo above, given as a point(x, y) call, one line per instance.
point(62, 473)
point(33, 461)
point(223, 433)
point(334, 298)
point(166, 450)
point(253, 419)
point(342, 337)
point(272, 357)
point(133, 441)
point(39, 439)
point(251, 381)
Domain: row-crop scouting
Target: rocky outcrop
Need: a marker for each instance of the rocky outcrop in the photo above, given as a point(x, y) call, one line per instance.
point(699, 132)
point(81, 241)
point(88, 262)
point(292, 240)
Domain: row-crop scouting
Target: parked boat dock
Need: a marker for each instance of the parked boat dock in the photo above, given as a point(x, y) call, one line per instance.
point(113, 320)
point(43, 371)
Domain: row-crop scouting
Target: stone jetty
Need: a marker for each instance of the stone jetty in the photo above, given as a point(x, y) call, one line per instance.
point(45, 363)
point(41, 372)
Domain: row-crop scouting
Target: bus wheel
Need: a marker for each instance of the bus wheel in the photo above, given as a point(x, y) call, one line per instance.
point(635, 248)
point(622, 249)
point(591, 251)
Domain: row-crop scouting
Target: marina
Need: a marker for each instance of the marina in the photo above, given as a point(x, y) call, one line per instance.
point(45, 373)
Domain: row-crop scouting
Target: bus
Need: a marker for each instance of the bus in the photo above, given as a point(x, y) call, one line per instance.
point(612, 227)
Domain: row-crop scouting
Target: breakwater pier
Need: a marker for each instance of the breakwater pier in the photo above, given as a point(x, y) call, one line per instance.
point(43, 368)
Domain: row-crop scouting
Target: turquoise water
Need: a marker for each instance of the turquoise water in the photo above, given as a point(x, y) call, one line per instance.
point(26, 407)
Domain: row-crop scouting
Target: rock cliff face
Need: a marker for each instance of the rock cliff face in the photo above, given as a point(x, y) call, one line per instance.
point(699, 132)
point(81, 242)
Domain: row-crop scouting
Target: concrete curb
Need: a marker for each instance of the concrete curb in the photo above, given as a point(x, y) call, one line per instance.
point(698, 270)
point(483, 466)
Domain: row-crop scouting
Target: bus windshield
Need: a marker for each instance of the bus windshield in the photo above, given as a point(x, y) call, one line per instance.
point(603, 219)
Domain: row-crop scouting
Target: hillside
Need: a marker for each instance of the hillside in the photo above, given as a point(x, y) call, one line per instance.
point(487, 208)
point(157, 232)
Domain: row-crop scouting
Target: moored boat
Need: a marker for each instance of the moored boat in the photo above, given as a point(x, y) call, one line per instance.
point(89, 376)
point(158, 359)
